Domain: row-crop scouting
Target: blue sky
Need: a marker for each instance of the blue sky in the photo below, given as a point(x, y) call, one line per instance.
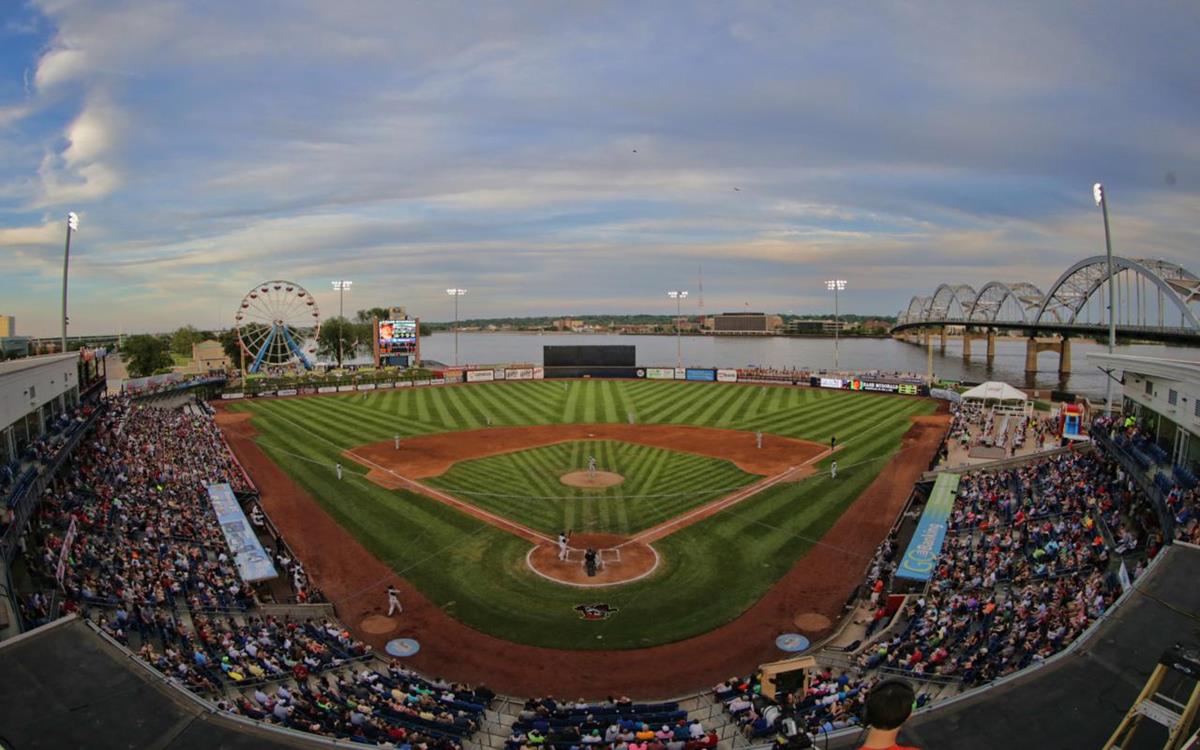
point(559, 158)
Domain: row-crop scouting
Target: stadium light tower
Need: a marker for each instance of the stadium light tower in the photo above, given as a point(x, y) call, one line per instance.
point(341, 287)
point(679, 297)
point(72, 226)
point(456, 293)
point(1102, 202)
point(835, 286)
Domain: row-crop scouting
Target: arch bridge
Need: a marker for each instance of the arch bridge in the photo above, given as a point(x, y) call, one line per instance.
point(1156, 300)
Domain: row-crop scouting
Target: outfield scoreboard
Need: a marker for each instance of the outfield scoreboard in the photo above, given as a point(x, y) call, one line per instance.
point(397, 341)
point(587, 361)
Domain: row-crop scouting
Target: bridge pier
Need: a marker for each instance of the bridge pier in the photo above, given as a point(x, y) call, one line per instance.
point(991, 346)
point(990, 335)
point(1033, 347)
point(944, 337)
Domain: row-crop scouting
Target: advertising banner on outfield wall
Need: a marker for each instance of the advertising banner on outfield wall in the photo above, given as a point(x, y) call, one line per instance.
point(830, 382)
point(539, 373)
point(680, 373)
point(437, 381)
point(251, 559)
point(327, 389)
point(518, 373)
point(660, 373)
point(498, 374)
point(229, 396)
point(385, 385)
point(404, 384)
point(922, 553)
point(366, 386)
point(345, 388)
point(453, 375)
point(480, 376)
point(421, 382)
point(727, 376)
point(695, 373)
point(287, 391)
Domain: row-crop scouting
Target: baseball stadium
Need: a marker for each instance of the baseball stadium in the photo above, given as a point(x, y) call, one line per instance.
point(525, 375)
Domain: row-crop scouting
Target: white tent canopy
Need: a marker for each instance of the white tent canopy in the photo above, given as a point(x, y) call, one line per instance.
point(994, 391)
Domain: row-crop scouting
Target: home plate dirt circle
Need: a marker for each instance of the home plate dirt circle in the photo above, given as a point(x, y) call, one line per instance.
point(377, 624)
point(600, 480)
point(812, 622)
point(637, 560)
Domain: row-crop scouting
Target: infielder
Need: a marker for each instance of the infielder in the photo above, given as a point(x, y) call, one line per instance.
point(393, 599)
point(338, 467)
point(397, 439)
point(833, 470)
point(758, 439)
point(591, 467)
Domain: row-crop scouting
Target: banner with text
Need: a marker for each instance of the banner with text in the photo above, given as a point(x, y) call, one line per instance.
point(480, 376)
point(926, 544)
point(251, 559)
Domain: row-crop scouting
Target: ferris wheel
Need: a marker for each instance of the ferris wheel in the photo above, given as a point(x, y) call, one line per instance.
point(277, 324)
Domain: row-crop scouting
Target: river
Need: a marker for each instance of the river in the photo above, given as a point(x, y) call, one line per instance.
point(811, 353)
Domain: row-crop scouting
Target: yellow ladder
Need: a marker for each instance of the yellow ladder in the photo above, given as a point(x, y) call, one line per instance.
point(1175, 716)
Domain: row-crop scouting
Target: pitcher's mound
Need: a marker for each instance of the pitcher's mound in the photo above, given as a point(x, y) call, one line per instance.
point(377, 624)
point(601, 479)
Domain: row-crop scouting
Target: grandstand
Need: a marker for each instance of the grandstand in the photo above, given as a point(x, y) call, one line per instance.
point(1058, 573)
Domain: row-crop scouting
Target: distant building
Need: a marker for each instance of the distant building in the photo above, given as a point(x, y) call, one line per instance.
point(568, 324)
point(209, 355)
point(746, 323)
point(8, 326)
point(817, 327)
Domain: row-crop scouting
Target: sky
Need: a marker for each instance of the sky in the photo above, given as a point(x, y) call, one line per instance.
point(581, 157)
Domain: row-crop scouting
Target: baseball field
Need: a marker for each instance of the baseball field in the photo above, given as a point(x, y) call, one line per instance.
point(478, 481)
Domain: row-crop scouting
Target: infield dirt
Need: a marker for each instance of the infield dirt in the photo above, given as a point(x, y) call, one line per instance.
point(354, 580)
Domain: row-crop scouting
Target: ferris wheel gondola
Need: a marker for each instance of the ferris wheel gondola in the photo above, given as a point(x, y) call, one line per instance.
point(277, 324)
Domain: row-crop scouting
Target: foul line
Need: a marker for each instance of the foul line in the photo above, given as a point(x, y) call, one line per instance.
point(670, 526)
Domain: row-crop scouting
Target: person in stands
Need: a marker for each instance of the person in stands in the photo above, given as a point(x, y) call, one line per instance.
point(889, 705)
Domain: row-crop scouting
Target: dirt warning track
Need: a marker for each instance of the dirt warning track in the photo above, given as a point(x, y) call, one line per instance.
point(818, 583)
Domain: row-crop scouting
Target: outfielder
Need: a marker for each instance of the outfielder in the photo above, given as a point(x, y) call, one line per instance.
point(338, 467)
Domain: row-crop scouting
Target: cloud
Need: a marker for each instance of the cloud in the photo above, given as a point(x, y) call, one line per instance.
point(81, 171)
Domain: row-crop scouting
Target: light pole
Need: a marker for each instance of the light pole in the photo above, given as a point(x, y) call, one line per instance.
point(341, 287)
point(679, 297)
point(456, 293)
point(1102, 202)
point(835, 286)
point(72, 226)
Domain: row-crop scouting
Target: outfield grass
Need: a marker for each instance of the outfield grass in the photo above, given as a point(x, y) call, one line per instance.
point(710, 572)
point(659, 484)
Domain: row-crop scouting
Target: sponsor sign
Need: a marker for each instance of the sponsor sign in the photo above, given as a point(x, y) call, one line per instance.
point(695, 373)
point(229, 396)
point(831, 382)
point(402, 647)
point(253, 562)
point(680, 373)
point(518, 373)
point(404, 384)
point(539, 373)
point(660, 373)
point(287, 392)
point(793, 643)
point(922, 553)
point(366, 386)
point(453, 376)
point(385, 385)
point(599, 611)
point(264, 394)
point(437, 381)
point(908, 389)
point(480, 376)
point(345, 388)
point(727, 376)
point(421, 382)
point(327, 389)
point(498, 374)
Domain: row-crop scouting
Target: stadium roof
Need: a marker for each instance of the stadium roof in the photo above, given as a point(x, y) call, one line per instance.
point(28, 363)
point(64, 685)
